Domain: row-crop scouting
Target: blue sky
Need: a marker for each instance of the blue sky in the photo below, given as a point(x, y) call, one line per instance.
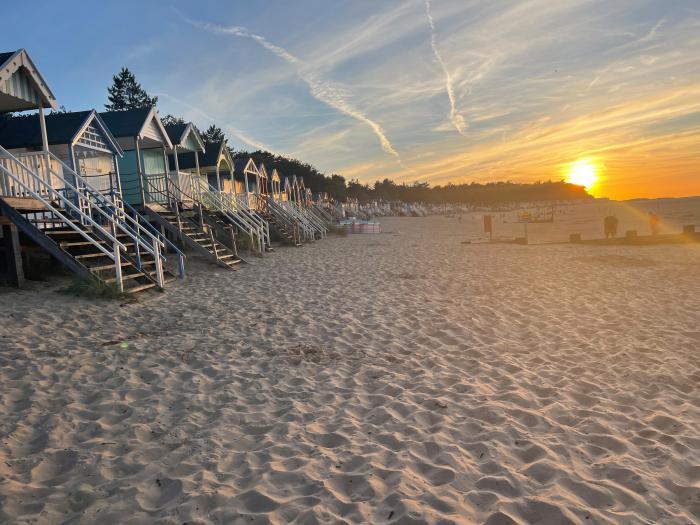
point(449, 90)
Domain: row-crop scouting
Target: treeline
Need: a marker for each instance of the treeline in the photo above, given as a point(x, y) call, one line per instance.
point(474, 193)
point(126, 93)
point(471, 193)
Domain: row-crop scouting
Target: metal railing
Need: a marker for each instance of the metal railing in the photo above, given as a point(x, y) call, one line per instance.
point(314, 219)
point(141, 223)
point(204, 194)
point(144, 240)
point(171, 194)
point(50, 193)
point(308, 225)
point(29, 179)
point(282, 216)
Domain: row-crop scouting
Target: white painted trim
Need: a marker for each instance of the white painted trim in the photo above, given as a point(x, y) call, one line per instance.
point(21, 59)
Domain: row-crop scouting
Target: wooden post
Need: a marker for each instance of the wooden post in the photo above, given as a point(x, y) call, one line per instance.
point(118, 181)
point(177, 168)
point(13, 254)
point(45, 145)
point(166, 174)
point(42, 126)
point(199, 175)
point(139, 172)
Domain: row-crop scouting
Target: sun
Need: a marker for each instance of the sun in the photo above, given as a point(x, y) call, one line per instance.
point(583, 173)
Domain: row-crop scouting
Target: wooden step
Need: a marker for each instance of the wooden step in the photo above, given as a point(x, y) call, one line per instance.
point(140, 288)
point(89, 255)
point(68, 231)
point(51, 220)
point(126, 277)
point(107, 266)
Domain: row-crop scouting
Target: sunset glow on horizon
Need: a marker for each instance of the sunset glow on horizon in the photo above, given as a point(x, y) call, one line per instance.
point(583, 173)
point(415, 91)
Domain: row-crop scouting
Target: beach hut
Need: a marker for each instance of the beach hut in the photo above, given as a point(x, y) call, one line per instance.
point(148, 186)
point(188, 144)
point(80, 139)
point(262, 181)
point(54, 207)
point(143, 166)
point(221, 189)
point(246, 173)
point(213, 162)
point(276, 186)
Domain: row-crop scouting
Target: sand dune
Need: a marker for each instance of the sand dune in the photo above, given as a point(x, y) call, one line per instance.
point(397, 378)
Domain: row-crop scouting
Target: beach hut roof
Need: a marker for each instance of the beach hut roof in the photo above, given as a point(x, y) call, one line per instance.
point(185, 136)
point(21, 85)
point(139, 122)
point(242, 164)
point(61, 128)
point(262, 170)
point(208, 158)
point(275, 175)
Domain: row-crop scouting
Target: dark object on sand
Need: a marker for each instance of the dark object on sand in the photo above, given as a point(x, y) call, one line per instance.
point(689, 229)
point(654, 223)
point(575, 237)
point(610, 226)
point(631, 234)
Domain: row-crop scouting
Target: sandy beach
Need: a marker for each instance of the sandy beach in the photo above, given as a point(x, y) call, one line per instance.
point(404, 377)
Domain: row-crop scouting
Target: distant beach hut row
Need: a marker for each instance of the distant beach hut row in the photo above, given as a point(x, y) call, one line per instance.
point(118, 197)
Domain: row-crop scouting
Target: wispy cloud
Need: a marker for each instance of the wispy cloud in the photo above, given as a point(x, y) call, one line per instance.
point(456, 119)
point(324, 91)
point(226, 126)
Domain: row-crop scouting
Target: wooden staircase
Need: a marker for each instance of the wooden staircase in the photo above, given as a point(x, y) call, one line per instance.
point(68, 246)
point(283, 229)
point(197, 233)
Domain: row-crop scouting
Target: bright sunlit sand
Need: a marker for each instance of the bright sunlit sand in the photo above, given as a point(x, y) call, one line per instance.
point(426, 262)
point(403, 377)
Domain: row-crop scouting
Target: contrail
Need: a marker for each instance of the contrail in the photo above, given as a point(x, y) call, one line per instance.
point(322, 90)
point(227, 127)
point(456, 119)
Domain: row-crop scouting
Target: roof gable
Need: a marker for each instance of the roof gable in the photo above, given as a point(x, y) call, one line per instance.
point(209, 157)
point(139, 122)
point(61, 128)
point(21, 85)
point(95, 134)
point(243, 165)
point(185, 136)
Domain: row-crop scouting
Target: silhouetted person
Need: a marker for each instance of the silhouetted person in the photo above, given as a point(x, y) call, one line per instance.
point(610, 226)
point(654, 223)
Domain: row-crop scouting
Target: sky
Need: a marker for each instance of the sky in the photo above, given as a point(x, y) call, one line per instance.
point(433, 91)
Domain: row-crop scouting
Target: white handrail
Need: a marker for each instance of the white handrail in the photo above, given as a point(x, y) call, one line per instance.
point(284, 215)
point(106, 200)
point(255, 225)
point(86, 217)
point(88, 191)
point(118, 246)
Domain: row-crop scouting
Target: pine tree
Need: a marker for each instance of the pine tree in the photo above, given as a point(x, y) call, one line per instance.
point(125, 93)
point(169, 120)
point(213, 134)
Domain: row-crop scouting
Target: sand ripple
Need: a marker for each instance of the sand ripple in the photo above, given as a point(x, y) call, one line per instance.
point(401, 378)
